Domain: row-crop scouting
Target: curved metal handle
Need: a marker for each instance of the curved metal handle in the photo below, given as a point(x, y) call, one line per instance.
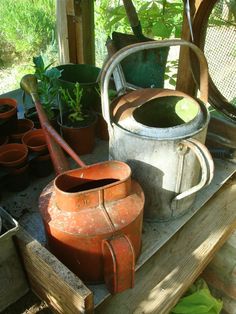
point(119, 262)
point(126, 51)
point(207, 167)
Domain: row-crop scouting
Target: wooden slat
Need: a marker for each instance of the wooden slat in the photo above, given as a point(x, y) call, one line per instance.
point(70, 9)
point(169, 273)
point(62, 31)
point(51, 280)
point(185, 82)
point(88, 31)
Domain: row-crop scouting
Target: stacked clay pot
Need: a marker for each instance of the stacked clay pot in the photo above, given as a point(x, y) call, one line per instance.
point(14, 166)
point(40, 163)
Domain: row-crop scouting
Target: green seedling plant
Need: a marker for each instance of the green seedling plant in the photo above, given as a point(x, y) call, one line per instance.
point(73, 101)
point(47, 84)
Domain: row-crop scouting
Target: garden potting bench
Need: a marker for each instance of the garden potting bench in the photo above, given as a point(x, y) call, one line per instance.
point(164, 272)
point(162, 275)
point(173, 254)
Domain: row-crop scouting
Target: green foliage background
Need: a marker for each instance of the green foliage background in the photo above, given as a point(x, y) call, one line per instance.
point(27, 27)
point(159, 19)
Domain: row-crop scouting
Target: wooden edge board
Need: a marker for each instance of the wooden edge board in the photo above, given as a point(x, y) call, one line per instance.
point(167, 275)
point(50, 280)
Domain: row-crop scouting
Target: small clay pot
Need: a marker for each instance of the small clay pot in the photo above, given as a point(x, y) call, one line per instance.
point(22, 127)
point(101, 128)
point(35, 140)
point(4, 139)
point(41, 166)
point(8, 115)
point(81, 139)
point(13, 161)
point(18, 179)
point(13, 155)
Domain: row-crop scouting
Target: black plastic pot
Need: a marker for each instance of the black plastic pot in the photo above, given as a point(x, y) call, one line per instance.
point(86, 75)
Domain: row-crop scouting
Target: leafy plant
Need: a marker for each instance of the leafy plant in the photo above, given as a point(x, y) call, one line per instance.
point(73, 101)
point(47, 87)
point(198, 300)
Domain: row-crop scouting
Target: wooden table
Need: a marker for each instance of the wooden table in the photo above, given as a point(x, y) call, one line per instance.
point(165, 269)
point(161, 277)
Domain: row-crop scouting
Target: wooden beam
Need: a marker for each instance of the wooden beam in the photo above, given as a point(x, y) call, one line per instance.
point(50, 280)
point(88, 31)
point(185, 81)
point(76, 34)
point(62, 31)
point(169, 273)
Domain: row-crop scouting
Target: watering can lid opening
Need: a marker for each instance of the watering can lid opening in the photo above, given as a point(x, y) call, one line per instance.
point(111, 172)
point(147, 112)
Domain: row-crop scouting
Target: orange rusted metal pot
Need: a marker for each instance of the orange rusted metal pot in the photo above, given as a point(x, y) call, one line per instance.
point(93, 220)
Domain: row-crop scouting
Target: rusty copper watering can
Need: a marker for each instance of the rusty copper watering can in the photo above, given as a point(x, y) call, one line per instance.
point(161, 133)
point(92, 215)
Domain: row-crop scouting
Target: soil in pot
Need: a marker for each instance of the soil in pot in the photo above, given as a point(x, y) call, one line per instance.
point(8, 115)
point(80, 135)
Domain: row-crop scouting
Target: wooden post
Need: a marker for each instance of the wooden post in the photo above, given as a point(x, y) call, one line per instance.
point(62, 31)
point(185, 82)
point(76, 35)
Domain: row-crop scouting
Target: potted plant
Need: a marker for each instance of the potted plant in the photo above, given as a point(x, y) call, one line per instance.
point(47, 90)
point(101, 127)
point(87, 76)
point(77, 125)
point(8, 115)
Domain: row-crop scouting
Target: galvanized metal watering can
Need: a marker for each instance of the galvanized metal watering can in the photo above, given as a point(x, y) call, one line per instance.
point(160, 133)
point(92, 215)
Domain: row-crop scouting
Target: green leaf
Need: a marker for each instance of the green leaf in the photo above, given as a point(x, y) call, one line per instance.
point(200, 301)
point(38, 62)
point(53, 74)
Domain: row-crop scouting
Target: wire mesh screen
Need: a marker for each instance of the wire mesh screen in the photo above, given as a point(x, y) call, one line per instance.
point(220, 48)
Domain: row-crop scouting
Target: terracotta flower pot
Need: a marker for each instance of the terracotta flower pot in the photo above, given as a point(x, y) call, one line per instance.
point(101, 128)
point(41, 166)
point(8, 115)
point(18, 179)
point(23, 126)
point(13, 162)
point(13, 155)
point(4, 139)
point(81, 138)
point(36, 141)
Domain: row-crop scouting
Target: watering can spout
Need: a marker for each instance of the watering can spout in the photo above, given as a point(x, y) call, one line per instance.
point(30, 85)
point(54, 141)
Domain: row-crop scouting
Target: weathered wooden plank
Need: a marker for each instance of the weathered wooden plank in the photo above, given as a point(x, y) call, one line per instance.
point(70, 9)
point(88, 31)
point(51, 280)
point(62, 31)
point(185, 81)
point(168, 274)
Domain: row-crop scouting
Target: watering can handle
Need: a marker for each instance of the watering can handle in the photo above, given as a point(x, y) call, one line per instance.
point(119, 263)
point(207, 168)
point(126, 51)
